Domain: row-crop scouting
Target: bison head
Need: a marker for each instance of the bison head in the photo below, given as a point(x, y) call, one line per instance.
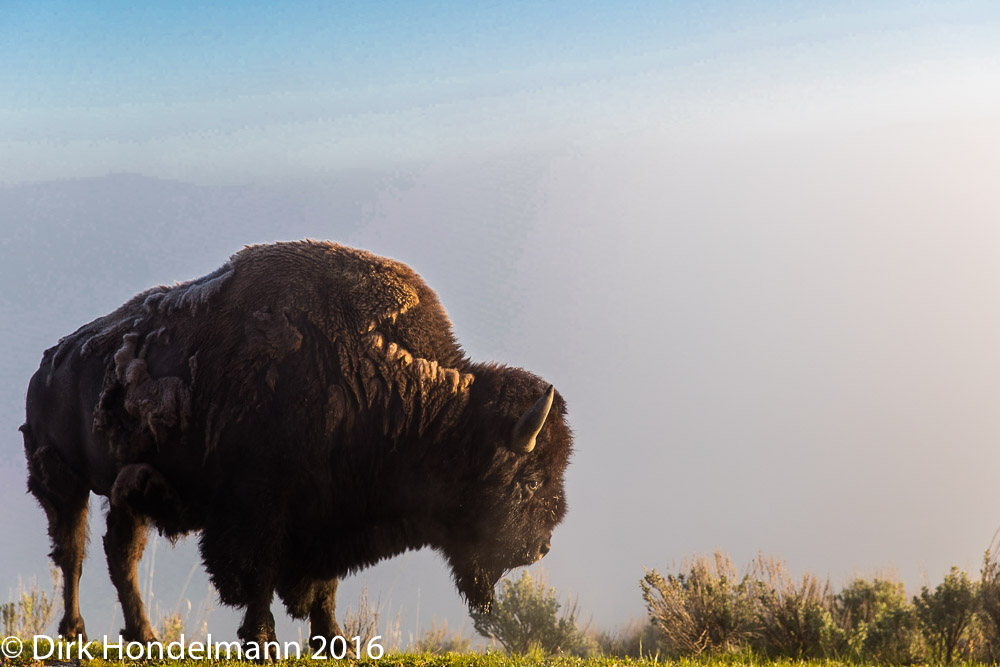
point(511, 493)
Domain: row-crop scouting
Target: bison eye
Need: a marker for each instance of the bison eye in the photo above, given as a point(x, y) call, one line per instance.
point(527, 488)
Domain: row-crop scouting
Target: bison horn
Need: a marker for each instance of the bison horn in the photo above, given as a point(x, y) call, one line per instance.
point(530, 424)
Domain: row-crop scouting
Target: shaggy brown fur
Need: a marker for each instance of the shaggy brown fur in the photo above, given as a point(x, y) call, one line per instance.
point(305, 406)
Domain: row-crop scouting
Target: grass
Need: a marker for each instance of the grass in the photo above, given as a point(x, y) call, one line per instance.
point(491, 659)
point(770, 589)
point(389, 660)
point(475, 660)
point(451, 659)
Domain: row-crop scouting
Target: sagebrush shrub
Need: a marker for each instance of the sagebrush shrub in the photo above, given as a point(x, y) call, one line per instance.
point(33, 609)
point(171, 627)
point(877, 622)
point(709, 608)
point(989, 603)
point(946, 613)
point(793, 618)
point(438, 639)
point(525, 618)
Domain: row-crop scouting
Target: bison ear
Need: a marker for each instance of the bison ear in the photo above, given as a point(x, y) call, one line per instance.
point(531, 422)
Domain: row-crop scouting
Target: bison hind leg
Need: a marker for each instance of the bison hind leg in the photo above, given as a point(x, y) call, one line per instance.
point(322, 618)
point(316, 599)
point(65, 501)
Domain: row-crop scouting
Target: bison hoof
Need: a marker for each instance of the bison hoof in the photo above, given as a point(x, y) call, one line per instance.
point(71, 627)
point(143, 635)
point(259, 631)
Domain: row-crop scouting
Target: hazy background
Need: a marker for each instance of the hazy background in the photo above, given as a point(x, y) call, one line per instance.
point(755, 247)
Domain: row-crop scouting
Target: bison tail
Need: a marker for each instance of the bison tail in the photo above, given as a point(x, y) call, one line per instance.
point(29, 438)
point(50, 478)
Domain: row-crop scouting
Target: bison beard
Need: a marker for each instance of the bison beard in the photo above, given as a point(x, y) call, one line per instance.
point(477, 588)
point(307, 409)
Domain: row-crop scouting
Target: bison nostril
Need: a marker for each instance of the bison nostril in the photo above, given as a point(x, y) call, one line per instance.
point(544, 548)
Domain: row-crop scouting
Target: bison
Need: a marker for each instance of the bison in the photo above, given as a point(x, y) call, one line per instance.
point(307, 408)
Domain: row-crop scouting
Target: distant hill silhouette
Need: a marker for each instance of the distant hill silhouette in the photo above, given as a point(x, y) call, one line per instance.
point(73, 250)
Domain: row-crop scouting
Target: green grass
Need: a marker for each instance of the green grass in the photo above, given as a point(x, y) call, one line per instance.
point(390, 660)
point(474, 660)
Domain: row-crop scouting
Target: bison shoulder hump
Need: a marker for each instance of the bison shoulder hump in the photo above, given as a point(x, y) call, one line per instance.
point(374, 288)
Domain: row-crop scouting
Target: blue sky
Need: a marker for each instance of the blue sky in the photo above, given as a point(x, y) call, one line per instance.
point(169, 52)
point(92, 88)
point(100, 53)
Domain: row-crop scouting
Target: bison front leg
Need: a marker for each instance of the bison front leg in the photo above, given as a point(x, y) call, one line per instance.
point(322, 618)
point(241, 549)
point(123, 544)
